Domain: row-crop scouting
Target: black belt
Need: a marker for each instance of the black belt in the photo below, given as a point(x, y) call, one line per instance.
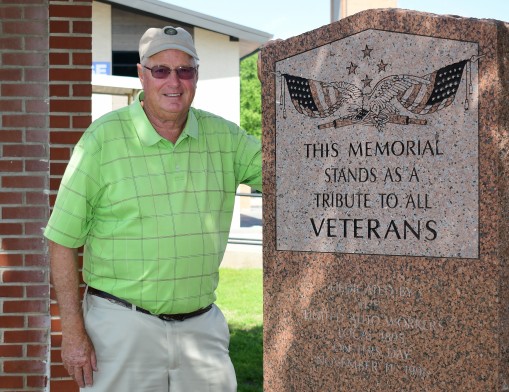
point(165, 317)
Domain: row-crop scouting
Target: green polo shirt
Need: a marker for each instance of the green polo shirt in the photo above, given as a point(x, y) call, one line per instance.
point(154, 216)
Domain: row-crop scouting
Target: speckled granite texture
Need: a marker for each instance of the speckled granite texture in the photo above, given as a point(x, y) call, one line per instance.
point(386, 203)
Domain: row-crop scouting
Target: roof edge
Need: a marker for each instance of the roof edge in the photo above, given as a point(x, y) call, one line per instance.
point(171, 11)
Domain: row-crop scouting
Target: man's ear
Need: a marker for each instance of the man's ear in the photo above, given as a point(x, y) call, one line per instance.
point(139, 68)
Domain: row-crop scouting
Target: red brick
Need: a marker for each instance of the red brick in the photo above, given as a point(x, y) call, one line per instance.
point(82, 122)
point(12, 136)
point(37, 136)
point(11, 166)
point(58, 168)
point(54, 185)
point(23, 244)
point(11, 42)
point(34, 229)
point(63, 386)
point(61, 42)
point(36, 13)
point(25, 336)
point(10, 12)
point(11, 292)
point(10, 105)
point(56, 356)
point(11, 229)
point(34, 306)
point(54, 309)
point(24, 59)
point(24, 120)
point(24, 150)
point(67, 75)
point(23, 89)
point(10, 74)
point(36, 198)
point(39, 165)
point(82, 58)
point(70, 11)
point(30, 182)
point(82, 90)
point(36, 106)
point(58, 371)
point(11, 260)
point(24, 212)
point(59, 26)
point(56, 343)
point(11, 322)
point(37, 381)
point(56, 324)
point(65, 137)
point(39, 351)
point(58, 154)
point(58, 58)
point(59, 122)
point(24, 276)
point(36, 43)
point(11, 381)
point(71, 105)
point(82, 27)
point(36, 260)
point(25, 366)
point(38, 291)
point(39, 321)
point(9, 350)
point(36, 74)
point(25, 27)
point(59, 90)
point(10, 198)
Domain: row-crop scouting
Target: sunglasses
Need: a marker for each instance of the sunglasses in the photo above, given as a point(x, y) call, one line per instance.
point(162, 72)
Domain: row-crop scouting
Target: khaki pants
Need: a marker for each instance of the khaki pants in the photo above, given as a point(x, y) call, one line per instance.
point(137, 352)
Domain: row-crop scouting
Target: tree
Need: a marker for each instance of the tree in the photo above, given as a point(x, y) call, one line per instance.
point(250, 97)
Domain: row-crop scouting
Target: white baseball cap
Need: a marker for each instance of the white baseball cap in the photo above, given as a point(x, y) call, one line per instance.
point(156, 40)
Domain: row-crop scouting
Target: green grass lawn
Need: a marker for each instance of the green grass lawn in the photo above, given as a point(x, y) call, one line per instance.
point(240, 297)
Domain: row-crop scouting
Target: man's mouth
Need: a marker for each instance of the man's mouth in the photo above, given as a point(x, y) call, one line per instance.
point(172, 95)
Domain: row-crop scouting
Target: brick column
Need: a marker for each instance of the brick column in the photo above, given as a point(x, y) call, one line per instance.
point(24, 179)
point(70, 114)
point(45, 97)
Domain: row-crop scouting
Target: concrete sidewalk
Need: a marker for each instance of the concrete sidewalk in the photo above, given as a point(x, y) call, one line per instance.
point(242, 256)
point(247, 228)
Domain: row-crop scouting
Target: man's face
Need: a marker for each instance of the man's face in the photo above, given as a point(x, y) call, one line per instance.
point(170, 98)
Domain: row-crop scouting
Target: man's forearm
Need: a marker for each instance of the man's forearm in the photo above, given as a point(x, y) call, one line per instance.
point(65, 277)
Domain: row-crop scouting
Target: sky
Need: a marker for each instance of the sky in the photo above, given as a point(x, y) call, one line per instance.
point(287, 18)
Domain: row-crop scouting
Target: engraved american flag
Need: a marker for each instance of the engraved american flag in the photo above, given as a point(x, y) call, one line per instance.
point(438, 94)
point(313, 98)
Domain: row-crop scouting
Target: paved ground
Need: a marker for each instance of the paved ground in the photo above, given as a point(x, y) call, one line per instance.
point(248, 229)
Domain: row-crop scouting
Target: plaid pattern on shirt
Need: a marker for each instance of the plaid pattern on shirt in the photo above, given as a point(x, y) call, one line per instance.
point(154, 217)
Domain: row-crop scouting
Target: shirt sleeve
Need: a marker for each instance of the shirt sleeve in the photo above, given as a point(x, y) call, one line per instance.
point(248, 165)
point(72, 214)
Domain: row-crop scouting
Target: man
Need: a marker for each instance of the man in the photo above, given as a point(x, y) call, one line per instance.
point(149, 192)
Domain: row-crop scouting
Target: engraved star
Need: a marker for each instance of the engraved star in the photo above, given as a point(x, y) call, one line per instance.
point(352, 68)
point(367, 81)
point(367, 51)
point(382, 66)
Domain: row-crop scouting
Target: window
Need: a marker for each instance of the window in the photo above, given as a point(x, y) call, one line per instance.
point(124, 63)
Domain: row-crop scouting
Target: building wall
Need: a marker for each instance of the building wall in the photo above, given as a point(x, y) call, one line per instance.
point(24, 178)
point(219, 76)
point(44, 107)
point(101, 53)
point(70, 114)
point(219, 81)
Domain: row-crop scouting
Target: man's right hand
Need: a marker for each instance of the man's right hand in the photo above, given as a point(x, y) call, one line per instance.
point(78, 356)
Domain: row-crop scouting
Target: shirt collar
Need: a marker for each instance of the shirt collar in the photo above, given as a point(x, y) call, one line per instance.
point(146, 132)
